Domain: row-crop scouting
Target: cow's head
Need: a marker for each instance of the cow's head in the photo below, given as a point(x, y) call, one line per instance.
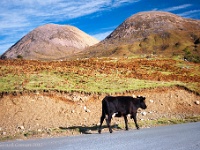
point(142, 102)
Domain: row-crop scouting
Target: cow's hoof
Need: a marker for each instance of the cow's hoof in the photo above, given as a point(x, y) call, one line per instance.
point(138, 128)
point(111, 131)
point(99, 131)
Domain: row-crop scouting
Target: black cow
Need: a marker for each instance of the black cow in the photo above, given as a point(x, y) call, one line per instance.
point(121, 106)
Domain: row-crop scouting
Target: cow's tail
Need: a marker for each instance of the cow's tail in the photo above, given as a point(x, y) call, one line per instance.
point(103, 115)
point(104, 107)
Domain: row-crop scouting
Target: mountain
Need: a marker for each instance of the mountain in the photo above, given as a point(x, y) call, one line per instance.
point(151, 33)
point(49, 42)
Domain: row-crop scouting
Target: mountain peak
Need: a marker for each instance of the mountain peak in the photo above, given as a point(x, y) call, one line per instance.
point(143, 24)
point(152, 33)
point(50, 41)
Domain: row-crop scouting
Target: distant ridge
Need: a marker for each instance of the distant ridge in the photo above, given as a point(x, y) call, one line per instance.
point(151, 33)
point(50, 42)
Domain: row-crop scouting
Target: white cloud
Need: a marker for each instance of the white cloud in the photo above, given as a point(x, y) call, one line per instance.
point(117, 3)
point(190, 13)
point(54, 8)
point(102, 36)
point(177, 7)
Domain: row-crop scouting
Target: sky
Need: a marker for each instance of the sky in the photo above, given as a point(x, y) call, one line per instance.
point(97, 18)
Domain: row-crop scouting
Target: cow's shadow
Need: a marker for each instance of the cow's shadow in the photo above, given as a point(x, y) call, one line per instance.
point(87, 129)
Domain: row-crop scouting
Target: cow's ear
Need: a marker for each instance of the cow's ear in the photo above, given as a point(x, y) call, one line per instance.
point(142, 98)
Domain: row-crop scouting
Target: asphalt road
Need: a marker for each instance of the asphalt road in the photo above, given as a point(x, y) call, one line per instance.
point(174, 137)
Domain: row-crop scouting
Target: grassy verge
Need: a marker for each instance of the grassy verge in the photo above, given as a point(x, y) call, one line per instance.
point(162, 122)
point(94, 129)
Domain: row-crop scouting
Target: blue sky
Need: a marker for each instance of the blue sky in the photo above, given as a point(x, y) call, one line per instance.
point(95, 17)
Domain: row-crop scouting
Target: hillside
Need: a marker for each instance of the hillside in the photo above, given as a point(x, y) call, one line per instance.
point(50, 41)
point(50, 98)
point(151, 33)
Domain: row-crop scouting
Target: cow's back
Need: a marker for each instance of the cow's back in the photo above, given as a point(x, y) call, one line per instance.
point(126, 100)
point(116, 104)
point(109, 103)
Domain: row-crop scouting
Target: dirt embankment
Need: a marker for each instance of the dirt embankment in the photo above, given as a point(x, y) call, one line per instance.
point(45, 112)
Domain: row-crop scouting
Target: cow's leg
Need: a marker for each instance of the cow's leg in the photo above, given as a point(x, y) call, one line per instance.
point(101, 122)
point(108, 120)
point(126, 122)
point(135, 120)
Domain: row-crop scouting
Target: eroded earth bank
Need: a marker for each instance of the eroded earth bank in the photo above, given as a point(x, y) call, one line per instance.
point(25, 115)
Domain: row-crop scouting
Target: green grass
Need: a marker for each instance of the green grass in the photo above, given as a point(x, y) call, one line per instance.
point(100, 83)
point(10, 82)
point(161, 122)
point(96, 75)
point(169, 121)
point(193, 87)
point(7, 138)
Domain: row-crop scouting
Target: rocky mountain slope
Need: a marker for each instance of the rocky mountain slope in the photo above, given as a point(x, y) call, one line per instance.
point(50, 41)
point(142, 25)
point(152, 33)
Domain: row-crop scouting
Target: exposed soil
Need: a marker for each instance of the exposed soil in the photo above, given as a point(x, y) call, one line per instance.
point(49, 113)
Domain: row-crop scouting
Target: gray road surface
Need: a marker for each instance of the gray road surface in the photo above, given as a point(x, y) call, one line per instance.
point(174, 137)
